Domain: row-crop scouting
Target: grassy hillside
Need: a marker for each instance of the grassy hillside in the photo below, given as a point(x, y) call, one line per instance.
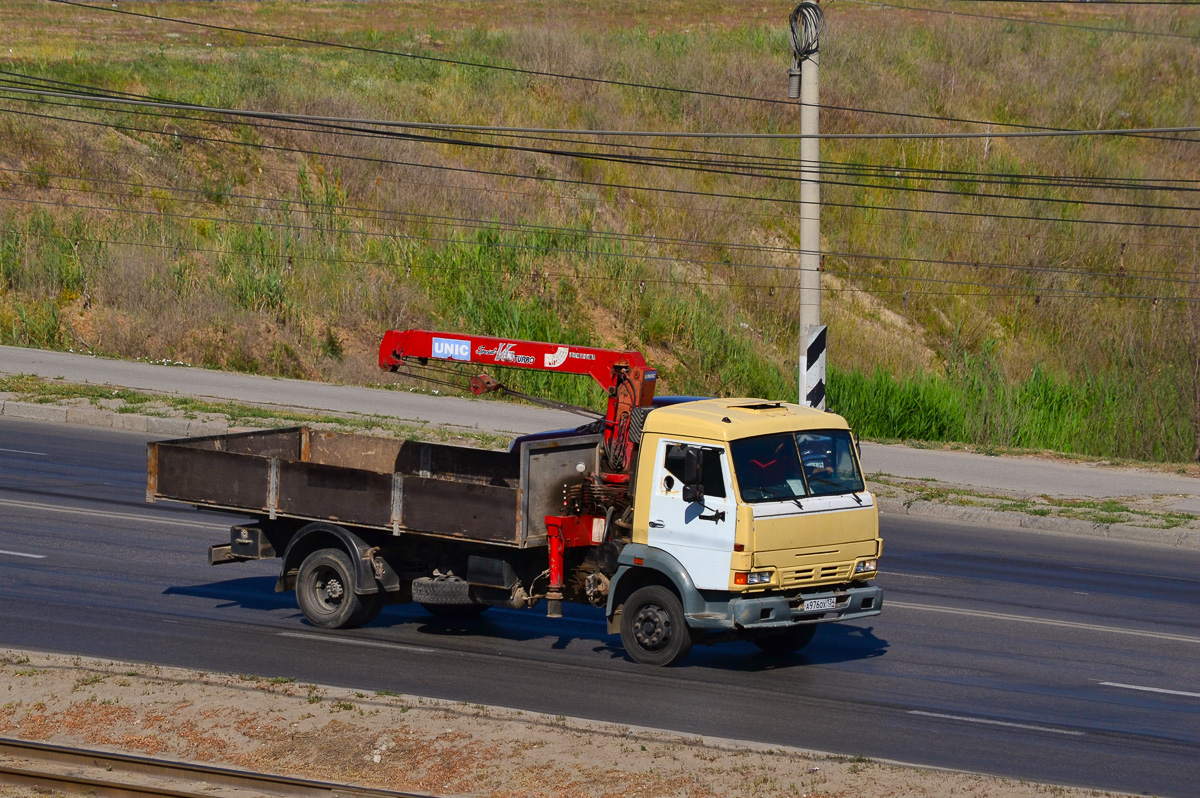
point(954, 314)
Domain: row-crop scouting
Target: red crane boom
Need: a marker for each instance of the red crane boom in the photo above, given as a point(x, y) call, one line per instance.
point(624, 375)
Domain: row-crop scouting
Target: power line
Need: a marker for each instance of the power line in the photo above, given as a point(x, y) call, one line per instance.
point(824, 106)
point(428, 58)
point(591, 184)
point(681, 134)
point(756, 161)
point(1089, 2)
point(834, 167)
point(837, 168)
point(726, 211)
point(633, 160)
point(519, 70)
point(1017, 20)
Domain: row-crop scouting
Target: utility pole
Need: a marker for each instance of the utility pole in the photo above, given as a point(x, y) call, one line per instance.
point(807, 22)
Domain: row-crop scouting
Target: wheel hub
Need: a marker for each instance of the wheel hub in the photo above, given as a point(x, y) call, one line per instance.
point(652, 627)
point(332, 591)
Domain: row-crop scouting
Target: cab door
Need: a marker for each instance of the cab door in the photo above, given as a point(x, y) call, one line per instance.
point(700, 533)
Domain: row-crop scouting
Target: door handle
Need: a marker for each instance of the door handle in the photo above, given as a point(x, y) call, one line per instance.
point(657, 524)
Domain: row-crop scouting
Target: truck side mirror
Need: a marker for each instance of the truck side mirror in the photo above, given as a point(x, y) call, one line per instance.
point(693, 468)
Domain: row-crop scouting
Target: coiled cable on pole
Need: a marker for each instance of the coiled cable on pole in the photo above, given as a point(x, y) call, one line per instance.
point(807, 22)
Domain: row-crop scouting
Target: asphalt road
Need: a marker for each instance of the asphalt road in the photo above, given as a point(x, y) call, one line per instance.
point(399, 405)
point(1048, 658)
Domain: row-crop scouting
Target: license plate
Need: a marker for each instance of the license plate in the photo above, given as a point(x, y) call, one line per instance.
point(812, 605)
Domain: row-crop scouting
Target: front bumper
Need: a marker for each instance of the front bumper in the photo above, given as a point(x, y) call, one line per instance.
point(753, 613)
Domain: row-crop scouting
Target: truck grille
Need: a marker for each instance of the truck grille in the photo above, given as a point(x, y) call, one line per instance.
point(815, 575)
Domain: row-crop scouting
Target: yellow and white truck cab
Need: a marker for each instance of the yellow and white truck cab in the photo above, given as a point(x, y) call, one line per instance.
point(756, 516)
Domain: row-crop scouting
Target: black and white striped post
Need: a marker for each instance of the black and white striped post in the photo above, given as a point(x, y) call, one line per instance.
point(812, 368)
point(807, 22)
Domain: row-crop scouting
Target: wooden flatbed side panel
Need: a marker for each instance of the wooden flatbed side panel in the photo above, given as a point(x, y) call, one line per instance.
point(445, 507)
point(284, 443)
point(203, 476)
point(354, 451)
point(349, 495)
point(460, 463)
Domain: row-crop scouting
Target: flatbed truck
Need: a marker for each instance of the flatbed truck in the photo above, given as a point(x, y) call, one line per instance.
point(686, 522)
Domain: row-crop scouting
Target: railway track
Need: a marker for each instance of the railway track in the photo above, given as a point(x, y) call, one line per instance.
point(102, 773)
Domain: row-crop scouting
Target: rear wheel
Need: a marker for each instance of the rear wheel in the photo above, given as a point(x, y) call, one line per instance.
point(653, 629)
point(788, 641)
point(325, 592)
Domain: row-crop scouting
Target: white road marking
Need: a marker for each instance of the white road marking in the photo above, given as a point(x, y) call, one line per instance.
point(350, 641)
point(23, 554)
point(996, 723)
point(1001, 616)
point(890, 572)
point(1150, 689)
point(22, 451)
point(145, 519)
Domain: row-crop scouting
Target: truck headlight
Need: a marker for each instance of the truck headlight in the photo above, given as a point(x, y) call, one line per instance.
point(866, 567)
point(752, 578)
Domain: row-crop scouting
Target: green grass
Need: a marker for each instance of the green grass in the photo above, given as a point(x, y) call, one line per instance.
point(1092, 414)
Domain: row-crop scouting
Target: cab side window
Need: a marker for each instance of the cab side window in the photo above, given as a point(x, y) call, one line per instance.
point(712, 476)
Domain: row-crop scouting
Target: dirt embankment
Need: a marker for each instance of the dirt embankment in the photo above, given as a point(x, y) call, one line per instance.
point(402, 742)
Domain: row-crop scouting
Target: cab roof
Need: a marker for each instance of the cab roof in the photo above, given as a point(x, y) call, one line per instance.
point(731, 419)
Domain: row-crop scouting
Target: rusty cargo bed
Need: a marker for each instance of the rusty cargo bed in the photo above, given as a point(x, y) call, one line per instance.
point(375, 483)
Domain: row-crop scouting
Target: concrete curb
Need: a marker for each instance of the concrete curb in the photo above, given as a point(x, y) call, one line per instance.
point(108, 419)
point(189, 428)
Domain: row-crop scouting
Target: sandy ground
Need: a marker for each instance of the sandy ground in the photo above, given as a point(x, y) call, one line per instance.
point(422, 745)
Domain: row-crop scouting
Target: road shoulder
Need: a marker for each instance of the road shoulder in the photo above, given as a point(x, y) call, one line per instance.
point(274, 724)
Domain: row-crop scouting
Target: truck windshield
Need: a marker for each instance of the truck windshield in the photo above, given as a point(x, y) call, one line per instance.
point(794, 465)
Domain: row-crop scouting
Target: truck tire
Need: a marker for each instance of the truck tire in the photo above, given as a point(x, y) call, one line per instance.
point(325, 592)
point(653, 629)
point(788, 641)
point(446, 597)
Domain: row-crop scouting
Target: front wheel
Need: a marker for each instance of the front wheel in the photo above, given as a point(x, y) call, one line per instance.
point(653, 629)
point(325, 592)
point(788, 641)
